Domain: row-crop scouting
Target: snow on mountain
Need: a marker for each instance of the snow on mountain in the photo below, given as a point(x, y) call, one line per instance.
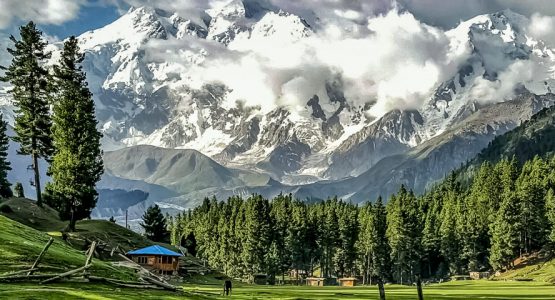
point(157, 101)
point(255, 88)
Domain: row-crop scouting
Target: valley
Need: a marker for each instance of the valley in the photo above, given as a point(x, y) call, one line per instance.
point(277, 149)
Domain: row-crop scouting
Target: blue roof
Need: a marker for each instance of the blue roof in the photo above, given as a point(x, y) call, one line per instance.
point(154, 250)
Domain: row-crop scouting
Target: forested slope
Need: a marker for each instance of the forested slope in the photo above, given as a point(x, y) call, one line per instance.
point(533, 137)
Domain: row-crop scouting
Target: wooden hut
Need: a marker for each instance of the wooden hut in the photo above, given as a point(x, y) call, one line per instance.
point(156, 258)
point(479, 275)
point(349, 281)
point(316, 281)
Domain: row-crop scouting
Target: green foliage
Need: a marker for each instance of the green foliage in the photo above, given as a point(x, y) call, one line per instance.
point(404, 232)
point(18, 189)
point(505, 238)
point(30, 83)
point(77, 162)
point(154, 224)
point(550, 214)
point(5, 190)
point(5, 208)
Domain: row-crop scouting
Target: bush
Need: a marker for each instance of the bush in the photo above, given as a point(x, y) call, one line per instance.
point(19, 190)
point(6, 209)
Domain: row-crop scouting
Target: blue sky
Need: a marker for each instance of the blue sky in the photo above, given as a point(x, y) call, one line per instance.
point(62, 18)
point(92, 17)
point(79, 16)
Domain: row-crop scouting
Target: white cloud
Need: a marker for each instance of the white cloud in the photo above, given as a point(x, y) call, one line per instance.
point(395, 64)
point(43, 12)
point(448, 13)
point(542, 28)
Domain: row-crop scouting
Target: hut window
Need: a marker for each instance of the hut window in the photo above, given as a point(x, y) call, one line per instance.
point(141, 259)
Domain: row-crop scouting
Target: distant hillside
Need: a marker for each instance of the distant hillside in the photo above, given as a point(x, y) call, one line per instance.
point(533, 137)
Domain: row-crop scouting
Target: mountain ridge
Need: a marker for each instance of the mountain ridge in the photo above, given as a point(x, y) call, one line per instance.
point(149, 72)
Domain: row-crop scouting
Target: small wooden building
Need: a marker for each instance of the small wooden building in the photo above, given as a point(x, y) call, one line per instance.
point(479, 275)
point(316, 281)
point(348, 281)
point(156, 258)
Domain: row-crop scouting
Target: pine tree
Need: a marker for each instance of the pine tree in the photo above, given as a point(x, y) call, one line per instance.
point(281, 215)
point(482, 203)
point(5, 190)
point(380, 252)
point(450, 237)
point(296, 236)
point(18, 189)
point(505, 237)
point(404, 232)
point(154, 224)
point(77, 163)
point(431, 206)
point(256, 236)
point(30, 91)
point(330, 235)
point(366, 240)
point(550, 214)
point(531, 190)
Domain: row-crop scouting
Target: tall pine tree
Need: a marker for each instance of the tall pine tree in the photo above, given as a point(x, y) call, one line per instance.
point(30, 90)
point(404, 232)
point(154, 224)
point(380, 250)
point(505, 230)
point(77, 162)
point(550, 214)
point(5, 190)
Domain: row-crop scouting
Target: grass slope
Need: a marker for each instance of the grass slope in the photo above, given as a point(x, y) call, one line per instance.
point(20, 245)
point(46, 219)
point(537, 267)
point(27, 212)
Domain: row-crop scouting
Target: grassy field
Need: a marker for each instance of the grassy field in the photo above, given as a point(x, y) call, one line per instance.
point(463, 290)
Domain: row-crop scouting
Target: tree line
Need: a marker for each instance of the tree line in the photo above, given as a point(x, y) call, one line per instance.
point(506, 211)
point(54, 121)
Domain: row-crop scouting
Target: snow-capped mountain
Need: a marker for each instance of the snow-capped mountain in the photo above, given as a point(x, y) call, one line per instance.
point(227, 95)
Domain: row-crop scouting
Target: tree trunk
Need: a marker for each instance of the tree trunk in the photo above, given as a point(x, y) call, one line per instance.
point(419, 288)
point(381, 289)
point(37, 178)
point(66, 274)
point(41, 254)
point(72, 220)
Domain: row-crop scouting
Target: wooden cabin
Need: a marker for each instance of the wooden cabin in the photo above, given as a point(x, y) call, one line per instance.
point(349, 281)
point(479, 275)
point(315, 281)
point(156, 258)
